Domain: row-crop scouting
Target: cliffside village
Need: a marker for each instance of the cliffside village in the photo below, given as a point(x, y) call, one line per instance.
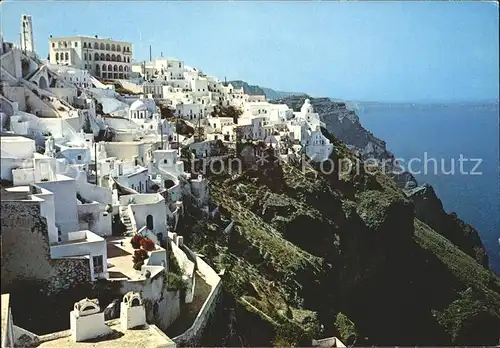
point(94, 184)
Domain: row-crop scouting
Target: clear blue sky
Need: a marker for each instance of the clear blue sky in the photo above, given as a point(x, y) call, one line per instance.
point(377, 51)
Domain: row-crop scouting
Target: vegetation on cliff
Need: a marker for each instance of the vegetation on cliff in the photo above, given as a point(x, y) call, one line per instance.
point(313, 255)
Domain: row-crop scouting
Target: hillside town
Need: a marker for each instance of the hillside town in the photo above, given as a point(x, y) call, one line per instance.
point(102, 156)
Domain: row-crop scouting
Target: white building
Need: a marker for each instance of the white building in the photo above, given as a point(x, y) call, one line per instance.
point(189, 110)
point(254, 128)
point(145, 114)
point(56, 199)
point(104, 58)
point(308, 116)
point(75, 76)
point(17, 152)
point(318, 147)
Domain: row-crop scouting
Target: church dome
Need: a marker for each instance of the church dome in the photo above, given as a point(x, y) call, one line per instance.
point(138, 105)
point(150, 104)
point(307, 107)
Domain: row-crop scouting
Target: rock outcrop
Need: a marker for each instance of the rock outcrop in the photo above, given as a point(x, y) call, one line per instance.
point(429, 209)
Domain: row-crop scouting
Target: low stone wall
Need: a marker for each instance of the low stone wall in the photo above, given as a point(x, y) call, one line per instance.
point(186, 265)
point(193, 334)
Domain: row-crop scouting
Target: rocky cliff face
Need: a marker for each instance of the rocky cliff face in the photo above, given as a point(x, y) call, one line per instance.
point(314, 255)
point(429, 209)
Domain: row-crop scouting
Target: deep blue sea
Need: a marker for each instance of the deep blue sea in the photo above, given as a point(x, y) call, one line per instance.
point(445, 132)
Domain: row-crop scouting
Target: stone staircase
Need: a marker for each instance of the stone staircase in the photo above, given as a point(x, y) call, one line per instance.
point(126, 220)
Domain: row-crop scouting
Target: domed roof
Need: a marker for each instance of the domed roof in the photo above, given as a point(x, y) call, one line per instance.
point(307, 101)
point(150, 104)
point(138, 105)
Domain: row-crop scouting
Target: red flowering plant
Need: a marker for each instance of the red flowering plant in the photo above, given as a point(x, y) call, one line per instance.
point(139, 256)
point(136, 241)
point(147, 244)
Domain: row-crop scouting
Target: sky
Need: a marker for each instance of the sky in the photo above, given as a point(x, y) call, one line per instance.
point(366, 51)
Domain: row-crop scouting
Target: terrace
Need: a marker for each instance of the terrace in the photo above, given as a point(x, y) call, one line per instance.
point(121, 265)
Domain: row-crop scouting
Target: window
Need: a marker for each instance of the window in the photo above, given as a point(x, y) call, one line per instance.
point(149, 222)
point(98, 264)
point(57, 56)
point(53, 45)
point(165, 161)
point(76, 44)
point(66, 55)
point(79, 157)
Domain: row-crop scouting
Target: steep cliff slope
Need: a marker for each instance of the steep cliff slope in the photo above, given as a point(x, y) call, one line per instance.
point(312, 255)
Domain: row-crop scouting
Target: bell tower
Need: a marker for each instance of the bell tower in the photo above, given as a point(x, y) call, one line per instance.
point(27, 44)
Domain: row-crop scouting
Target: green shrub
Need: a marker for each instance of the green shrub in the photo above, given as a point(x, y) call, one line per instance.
point(346, 328)
point(175, 282)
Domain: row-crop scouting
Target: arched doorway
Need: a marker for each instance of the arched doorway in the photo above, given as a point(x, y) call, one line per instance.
point(149, 222)
point(42, 83)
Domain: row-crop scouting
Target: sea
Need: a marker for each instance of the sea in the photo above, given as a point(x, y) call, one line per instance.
point(421, 133)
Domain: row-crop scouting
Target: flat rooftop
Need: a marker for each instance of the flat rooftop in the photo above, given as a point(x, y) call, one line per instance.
point(120, 264)
point(16, 138)
point(12, 194)
point(148, 336)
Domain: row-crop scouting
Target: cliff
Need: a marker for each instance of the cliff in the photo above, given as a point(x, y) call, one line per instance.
point(345, 125)
point(313, 255)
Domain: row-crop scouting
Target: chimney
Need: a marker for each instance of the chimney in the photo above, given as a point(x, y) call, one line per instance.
point(132, 311)
point(87, 320)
